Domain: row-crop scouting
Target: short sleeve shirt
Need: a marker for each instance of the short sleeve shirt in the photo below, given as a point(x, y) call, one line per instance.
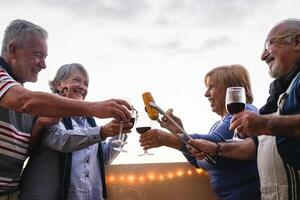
point(15, 130)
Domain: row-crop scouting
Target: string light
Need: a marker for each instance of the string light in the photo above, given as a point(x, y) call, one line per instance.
point(170, 175)
point(151, 176)
point(131, 178)
point(161, 177)
point(179, 173)
point(111, 178)
point(199, 171)
point(141, 178)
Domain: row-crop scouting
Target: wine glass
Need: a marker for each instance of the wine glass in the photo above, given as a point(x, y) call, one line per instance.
point(122, 136)
point(235, 103)
point(143, 124)
point(121, 139)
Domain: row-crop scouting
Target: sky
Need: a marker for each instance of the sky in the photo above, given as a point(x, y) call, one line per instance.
point(162, 46)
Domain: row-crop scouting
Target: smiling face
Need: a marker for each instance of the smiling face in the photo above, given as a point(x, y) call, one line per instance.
point(28, 60)
point(281, 56)
point(215, 94)
point(75, 86)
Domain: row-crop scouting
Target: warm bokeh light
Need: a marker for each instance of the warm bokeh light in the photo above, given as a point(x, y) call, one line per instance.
point(141, 178)
point(131, 178)
point(199, 171)
point(179, 173)
point(170, 175)
point(111, 178)
point(152, 176)
point(161, 177)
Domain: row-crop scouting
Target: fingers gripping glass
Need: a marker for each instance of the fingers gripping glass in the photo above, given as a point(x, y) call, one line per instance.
point(122, 136)
point(235, 103)
point(143, 124)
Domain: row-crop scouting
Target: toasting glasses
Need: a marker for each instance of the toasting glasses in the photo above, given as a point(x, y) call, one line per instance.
point(122, 136)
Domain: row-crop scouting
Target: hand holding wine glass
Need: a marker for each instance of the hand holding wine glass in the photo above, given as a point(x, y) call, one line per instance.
point(143, 124)
point(235, 103)
point(122, 131)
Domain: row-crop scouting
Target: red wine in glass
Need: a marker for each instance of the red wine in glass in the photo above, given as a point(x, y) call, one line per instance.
point(142, 130)
point(235, 107)
point(143, 124)
point(235, 103)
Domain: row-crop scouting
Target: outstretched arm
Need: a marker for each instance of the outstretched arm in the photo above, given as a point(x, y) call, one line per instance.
point(243, 150)
point(60, 139)
point(248, 123)
point(157, 138)
point(45, 104)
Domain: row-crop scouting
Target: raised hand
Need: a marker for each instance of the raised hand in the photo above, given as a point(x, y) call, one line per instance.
point(249, 123)
point(169, 123)
point(153, 138)
point(113, 108)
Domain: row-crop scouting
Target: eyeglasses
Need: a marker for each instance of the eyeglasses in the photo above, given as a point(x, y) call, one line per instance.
point(277, 39)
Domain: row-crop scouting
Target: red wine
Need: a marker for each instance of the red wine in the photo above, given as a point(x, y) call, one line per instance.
point(235, 107)
point(143, 129)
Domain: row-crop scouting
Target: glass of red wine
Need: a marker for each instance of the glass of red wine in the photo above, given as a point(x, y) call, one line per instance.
point(143, 124)
point(235, 103)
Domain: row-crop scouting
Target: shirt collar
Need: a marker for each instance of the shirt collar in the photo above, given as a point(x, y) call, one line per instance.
point(7, 67)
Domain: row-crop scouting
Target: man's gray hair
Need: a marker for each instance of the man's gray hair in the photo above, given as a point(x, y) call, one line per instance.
point(291, 25)
point(18, 31)
point(63, 73)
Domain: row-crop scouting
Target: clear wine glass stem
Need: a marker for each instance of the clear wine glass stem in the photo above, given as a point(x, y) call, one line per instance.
point(146, 153)
point(235, 136)
point(121, 130)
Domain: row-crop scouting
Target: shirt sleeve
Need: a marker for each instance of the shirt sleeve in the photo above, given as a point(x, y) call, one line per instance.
point(58, 138)
point(6, 82)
